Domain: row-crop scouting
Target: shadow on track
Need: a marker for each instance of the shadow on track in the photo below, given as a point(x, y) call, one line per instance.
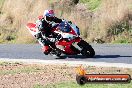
point(72, 56)
point(95, 57)
point(109, 56)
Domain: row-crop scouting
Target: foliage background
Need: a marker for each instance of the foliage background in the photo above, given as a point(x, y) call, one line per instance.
point(100, 21)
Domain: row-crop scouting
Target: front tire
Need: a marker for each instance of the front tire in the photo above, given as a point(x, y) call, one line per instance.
point(88, 52)
point(87, 49)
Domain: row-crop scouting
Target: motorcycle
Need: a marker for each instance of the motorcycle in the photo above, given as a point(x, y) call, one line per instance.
point(70, 43)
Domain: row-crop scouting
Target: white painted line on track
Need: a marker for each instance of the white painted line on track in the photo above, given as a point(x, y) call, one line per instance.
point(70, 63)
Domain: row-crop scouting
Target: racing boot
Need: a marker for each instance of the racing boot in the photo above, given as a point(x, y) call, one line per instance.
point(46, 50)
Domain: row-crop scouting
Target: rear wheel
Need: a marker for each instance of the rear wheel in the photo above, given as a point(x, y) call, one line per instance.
point(56, 52)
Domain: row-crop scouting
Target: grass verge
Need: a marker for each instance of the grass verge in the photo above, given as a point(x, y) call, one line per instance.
point(38, 86)
point(52, 76)
point(91, 4)
point(16, 67)
point(1, 3)
point(75, 85)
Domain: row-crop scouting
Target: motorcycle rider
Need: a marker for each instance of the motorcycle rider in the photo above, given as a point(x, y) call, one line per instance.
point(45, 25)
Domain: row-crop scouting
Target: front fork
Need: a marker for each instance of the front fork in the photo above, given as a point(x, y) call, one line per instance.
point(75, 44)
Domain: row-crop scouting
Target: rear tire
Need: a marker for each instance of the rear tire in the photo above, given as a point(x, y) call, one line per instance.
point(58, 52)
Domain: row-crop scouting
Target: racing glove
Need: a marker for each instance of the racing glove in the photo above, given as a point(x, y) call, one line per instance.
point(59, 37)
point(38, 35)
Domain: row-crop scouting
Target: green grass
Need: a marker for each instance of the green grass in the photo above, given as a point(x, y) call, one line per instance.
point(75, 85)
point(122, 41)
point(37, 86)
point(91, 4)
point(2, 63)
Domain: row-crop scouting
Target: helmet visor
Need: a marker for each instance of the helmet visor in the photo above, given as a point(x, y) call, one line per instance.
point(49, 18)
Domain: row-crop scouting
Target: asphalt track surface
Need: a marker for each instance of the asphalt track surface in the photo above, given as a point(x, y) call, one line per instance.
point(117, 53)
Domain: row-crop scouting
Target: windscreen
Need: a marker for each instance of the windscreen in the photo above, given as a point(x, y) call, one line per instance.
point(64, 27)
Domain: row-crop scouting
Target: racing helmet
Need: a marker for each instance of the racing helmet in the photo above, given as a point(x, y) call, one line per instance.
point(48, 15)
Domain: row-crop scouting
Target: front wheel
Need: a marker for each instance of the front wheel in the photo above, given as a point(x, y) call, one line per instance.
point(88, 52)
point(87, 49)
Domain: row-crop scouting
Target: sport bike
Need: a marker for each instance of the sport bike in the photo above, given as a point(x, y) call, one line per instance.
point(70, 42)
